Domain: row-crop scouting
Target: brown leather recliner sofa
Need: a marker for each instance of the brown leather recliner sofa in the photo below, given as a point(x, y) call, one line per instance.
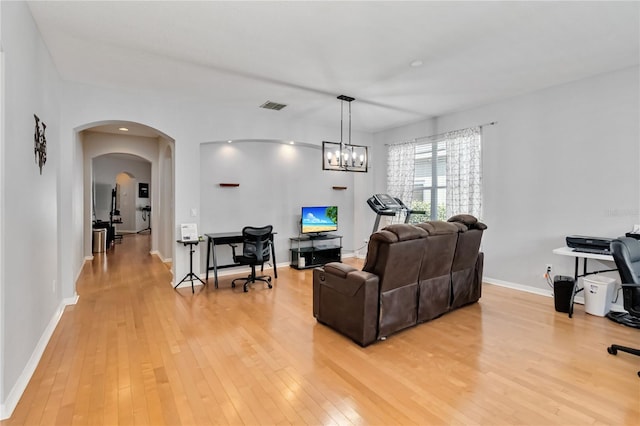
point(412, 274)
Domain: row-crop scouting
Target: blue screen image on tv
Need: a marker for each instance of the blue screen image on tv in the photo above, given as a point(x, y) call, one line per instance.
point(319, 219)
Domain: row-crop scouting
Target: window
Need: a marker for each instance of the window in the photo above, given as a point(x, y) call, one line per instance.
point(430, 181)
point(441, 176)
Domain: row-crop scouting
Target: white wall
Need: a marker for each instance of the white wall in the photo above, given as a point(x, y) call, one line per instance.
point(276, 180)
point(560, 161)
point(165, 220)
point(30, 283)
point(190, 123)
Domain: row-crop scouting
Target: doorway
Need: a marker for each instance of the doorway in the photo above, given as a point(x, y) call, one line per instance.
point(138, 165)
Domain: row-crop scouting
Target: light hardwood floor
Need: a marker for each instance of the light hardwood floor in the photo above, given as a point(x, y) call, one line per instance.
point(134, 351)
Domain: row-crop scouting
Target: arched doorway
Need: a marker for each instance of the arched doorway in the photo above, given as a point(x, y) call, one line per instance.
point(146, 144)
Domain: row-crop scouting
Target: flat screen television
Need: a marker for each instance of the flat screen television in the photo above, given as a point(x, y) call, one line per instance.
point(318, 220)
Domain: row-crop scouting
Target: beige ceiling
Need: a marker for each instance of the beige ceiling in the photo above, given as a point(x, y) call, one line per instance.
point(303, 54)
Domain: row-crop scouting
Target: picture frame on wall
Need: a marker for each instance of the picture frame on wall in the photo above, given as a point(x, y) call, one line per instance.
point(143, 190)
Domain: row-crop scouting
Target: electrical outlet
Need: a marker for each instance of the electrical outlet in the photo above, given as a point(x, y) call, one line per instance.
point(53, 286)
point(549, 267)
point(547, 273)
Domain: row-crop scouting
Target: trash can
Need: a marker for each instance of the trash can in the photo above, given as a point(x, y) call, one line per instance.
point(598, 294)
point(563, 289)
point(99, 240)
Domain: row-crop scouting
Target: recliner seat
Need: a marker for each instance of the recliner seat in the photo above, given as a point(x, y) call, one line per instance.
point(412, 274)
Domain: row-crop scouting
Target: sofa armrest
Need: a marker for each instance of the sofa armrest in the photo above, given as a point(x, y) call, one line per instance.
point(338, 269)
point(345, 279)
point(346, 299)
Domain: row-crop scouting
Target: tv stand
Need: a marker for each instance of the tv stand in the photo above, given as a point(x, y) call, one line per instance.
point(310, 251)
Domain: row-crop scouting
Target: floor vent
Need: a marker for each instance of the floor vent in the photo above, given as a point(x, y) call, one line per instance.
point(272, 105)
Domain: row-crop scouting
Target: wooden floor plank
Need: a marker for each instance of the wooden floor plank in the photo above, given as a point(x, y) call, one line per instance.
point(135, 351)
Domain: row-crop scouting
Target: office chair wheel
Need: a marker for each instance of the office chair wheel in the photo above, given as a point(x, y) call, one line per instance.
point(612, 350)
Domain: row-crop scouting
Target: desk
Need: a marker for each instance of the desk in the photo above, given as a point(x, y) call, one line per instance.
point(222, 238)
point(568, 251)
point(190, 275)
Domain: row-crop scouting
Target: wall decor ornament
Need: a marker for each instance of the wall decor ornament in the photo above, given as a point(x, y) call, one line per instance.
point(40, 143)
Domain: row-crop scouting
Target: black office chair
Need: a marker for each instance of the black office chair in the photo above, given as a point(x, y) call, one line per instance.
point(256, 251)
point(626, 254)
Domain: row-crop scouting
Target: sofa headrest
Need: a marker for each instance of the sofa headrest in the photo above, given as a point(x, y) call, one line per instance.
point(384, 236)
point(468, 220)
point(403, 232)
point(438, 227)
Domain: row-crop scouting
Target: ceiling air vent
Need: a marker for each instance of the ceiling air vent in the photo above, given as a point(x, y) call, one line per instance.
point(272, 105)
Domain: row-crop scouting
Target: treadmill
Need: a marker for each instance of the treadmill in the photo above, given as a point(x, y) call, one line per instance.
point(386, 205)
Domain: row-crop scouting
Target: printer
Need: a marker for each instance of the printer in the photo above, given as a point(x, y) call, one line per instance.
point(598, 245)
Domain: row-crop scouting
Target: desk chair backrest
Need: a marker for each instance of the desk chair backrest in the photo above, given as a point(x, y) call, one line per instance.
point(626, 254)
point(257, 243)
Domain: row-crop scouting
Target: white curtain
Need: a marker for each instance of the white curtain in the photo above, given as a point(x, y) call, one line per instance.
point(464, 172)
point(401, 171)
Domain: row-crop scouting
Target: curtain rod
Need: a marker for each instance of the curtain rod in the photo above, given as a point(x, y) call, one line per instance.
point(491, 123)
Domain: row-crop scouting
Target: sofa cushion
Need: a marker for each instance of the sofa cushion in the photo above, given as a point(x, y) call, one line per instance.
point(406, 232)
point(438, 227)
point(467, 219)
point(381, 240)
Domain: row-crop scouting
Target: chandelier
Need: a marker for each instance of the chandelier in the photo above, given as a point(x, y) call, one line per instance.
point(341, 156)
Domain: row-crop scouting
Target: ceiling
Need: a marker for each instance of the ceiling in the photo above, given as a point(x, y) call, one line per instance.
point(304, 54)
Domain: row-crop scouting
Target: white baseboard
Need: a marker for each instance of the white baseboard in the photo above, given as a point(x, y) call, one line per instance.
point(579, 299)
point(9, 404)
point(159, 256)
point(196, 283)
point(70, 301)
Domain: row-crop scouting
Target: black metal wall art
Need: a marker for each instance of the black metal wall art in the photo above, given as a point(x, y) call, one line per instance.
point(40, 143)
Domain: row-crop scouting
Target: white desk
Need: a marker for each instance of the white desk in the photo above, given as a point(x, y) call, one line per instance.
point(568, 251)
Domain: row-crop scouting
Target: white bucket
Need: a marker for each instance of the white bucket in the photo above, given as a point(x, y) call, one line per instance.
point(598, 293)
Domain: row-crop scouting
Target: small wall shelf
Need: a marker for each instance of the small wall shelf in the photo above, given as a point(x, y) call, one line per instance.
point(339, 188)
point(229, 185)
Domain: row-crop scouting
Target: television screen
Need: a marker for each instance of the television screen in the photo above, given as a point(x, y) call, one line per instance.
point(319, 219)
